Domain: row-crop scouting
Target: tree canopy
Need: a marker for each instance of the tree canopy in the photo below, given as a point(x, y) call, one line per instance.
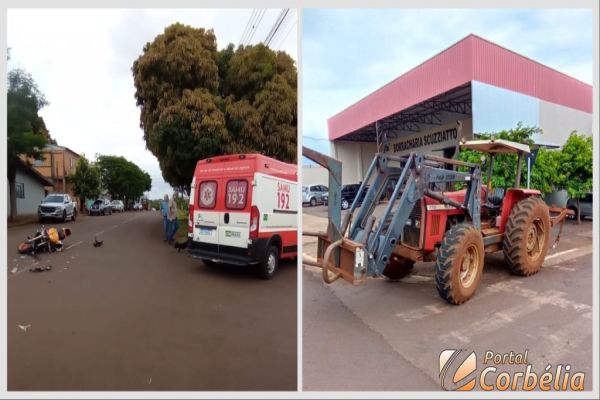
point(569, 168)
point(197, 101)
point(576, 165)
point(26, 130)
point(86, 180)
point(121, 178)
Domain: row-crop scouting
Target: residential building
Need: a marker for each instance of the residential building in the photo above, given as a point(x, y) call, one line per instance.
point(57, 164)
point(31, 187)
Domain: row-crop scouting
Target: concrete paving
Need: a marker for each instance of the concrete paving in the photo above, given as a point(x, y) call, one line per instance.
point(383, 335)
point(136, 315)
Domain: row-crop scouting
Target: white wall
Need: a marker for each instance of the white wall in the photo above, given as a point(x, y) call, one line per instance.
point(355, 157)
point(314, 175)
point(34, 193)
point(557, 122)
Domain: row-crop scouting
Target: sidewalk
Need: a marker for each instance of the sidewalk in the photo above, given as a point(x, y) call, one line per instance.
point(21, 220)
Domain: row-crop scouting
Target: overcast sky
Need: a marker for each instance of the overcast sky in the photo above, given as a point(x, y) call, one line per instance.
point(81, 60)
point(347, 54)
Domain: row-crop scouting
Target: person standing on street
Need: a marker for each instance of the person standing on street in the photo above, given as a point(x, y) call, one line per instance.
point(164, 209)
point(173, 223)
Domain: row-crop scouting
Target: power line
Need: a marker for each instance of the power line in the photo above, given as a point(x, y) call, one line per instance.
point(251, 28)
point(248, 24)
point(287, 34)
point(257, 24)
point(276, 26)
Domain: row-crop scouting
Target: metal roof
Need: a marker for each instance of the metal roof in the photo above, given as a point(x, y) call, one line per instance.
point(470, 59)
point(496, 146)
point(35, 174)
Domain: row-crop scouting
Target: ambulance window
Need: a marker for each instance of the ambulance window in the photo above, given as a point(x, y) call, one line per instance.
point(236, 194)
point(207, 194)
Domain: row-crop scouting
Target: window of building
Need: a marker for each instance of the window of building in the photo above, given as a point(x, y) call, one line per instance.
point(20, 190)
point(39, 163)
point(72, 163)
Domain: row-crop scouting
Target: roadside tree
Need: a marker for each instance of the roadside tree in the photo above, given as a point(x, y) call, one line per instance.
point(197, 102)
point(576, 167)
point(122, 179)
point(26, 130)
point(86, 181)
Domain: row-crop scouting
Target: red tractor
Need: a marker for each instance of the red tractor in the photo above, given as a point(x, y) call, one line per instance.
point(438, 211)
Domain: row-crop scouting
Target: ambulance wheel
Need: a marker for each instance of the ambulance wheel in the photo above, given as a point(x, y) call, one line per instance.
point(345, 204)
point(268, 266)
point(74, 215)
point(459, 264)
point(64, 216)
point(313, 202)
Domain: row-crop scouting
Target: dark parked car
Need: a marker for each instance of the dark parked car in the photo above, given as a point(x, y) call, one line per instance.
point(101, 207)
point(586, 206)
point(349, 194)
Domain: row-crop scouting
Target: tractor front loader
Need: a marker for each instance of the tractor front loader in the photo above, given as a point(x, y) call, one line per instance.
point(438, 211)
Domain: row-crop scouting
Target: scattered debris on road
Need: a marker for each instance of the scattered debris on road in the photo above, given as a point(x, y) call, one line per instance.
point(14, 270)
point(97, 243)
point(40, 269)
point(24, 327)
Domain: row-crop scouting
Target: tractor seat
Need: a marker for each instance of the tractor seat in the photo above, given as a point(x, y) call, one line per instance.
point(495, 198)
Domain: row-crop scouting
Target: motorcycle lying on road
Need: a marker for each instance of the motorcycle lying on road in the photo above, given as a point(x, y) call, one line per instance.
point(45, 240)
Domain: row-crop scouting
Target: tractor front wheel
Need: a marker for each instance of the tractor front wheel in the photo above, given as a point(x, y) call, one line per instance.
point(459, 264)
point(527, 236)
point(398, 267)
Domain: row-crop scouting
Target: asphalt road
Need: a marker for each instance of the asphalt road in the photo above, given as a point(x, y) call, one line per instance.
point(136, 315)
point(383, 335)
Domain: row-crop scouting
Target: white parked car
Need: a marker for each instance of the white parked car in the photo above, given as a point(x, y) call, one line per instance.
point(58, 206)
point(117, 205)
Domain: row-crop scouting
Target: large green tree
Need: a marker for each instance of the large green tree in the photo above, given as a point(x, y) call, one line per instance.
point(86, 181)
point(26, 130)
point(198, 102)
point(122, 179)
point(576, 167)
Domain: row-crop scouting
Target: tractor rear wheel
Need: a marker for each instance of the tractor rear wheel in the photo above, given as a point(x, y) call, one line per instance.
point(398, 267)
point(527, 236)
point(459, 264)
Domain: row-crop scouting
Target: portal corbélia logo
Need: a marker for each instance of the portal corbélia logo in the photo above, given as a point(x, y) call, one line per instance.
point(462, 364)
point(458, 371)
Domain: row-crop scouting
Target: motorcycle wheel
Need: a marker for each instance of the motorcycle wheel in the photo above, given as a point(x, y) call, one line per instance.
point(25, 248)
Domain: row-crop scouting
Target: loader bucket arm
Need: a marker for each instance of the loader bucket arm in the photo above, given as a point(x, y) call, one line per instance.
point(360, 246)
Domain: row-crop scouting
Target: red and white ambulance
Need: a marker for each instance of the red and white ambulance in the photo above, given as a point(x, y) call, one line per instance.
point(244, 210)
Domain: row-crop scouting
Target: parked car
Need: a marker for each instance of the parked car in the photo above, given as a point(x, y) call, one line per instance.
point(58, 206)
point(117, 205)
point(586, 206)
point(101, 207)
point(314, 194)
point(243, 210)
point(349, 194)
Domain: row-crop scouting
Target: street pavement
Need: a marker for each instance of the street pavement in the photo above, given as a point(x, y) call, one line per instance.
point(383, 335)
point(136, 315)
